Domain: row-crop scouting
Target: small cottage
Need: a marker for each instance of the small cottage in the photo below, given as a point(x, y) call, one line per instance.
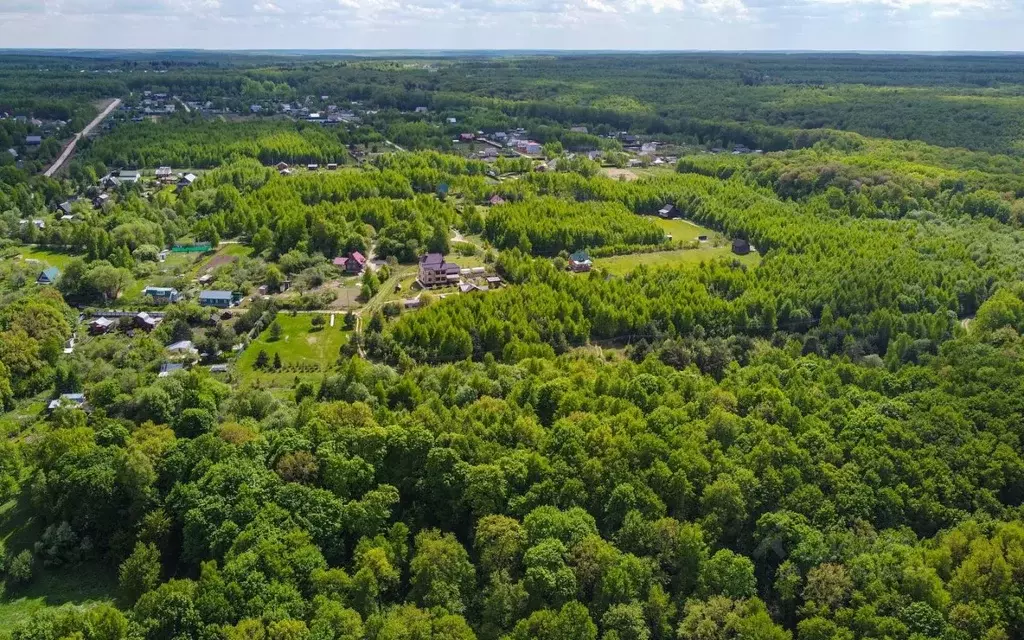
point(48, 275)
point(580, 261)
point(219, 299)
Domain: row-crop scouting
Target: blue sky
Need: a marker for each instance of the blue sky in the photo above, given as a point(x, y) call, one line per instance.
point(883, 25)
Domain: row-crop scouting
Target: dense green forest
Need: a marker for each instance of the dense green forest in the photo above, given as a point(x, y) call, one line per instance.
point(818, 439)
point(198, 144)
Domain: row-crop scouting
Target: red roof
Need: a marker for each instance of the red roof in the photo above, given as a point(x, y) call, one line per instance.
point(358, 257)
point(339, 262)
point(496, 199)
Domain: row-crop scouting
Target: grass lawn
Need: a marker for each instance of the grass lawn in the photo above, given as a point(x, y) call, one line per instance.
point(298, 346)
point(237, 250)
point(82, 586)
point(406, 280)
point(620, 265)
point(467, 262)
point(685, 230)
point(51, 258)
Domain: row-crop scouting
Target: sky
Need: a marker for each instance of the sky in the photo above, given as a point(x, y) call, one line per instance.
point(827, 25)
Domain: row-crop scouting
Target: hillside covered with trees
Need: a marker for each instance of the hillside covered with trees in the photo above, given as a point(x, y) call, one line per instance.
point(798, 418)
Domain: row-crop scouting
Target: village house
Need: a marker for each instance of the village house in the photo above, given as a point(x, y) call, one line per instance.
point(580, 261)
point(219, 299)
point(100, 326)
point(312, 167)
point(145, 321)
point(469, 287)
point(183, 347)
point(70, 400)
point(496, 200)
point(668, 211)
point(164, 174)
point(281, 166)
point(100, 200)
point(353, 263)
point(186, 181)
point(435, 272)
point(740, 246)
point(161, 295)
point(33, 141)
point(420, 109)
point(578, 129)
point(332, 166)
point(493, 282)
point(48, 275)
point(167, 368)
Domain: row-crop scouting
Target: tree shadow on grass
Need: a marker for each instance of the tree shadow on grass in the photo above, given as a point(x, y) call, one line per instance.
point(82, 584)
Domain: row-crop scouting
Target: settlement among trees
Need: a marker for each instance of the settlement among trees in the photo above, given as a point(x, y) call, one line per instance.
point(669, 347)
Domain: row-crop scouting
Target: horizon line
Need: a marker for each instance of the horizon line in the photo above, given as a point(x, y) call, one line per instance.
point(442, 50)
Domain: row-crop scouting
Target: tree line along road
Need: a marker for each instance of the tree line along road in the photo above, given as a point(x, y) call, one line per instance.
point(70, 149)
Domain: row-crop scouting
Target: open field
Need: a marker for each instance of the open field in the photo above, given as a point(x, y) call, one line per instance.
point(298, 346)
point(48, 257)
point(685, 230)
point(620, 174)
point(620, 265)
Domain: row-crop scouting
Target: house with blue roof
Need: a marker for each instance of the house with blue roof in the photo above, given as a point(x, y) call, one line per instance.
point(161, 295)
point(48, 275)
point(219, 299)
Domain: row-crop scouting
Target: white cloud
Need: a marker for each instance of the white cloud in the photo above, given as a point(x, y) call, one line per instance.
point(515, 24)
point(266, 7)
point(938, 5)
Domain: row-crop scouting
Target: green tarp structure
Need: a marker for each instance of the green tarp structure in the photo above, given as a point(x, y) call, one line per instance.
point(198, 247)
